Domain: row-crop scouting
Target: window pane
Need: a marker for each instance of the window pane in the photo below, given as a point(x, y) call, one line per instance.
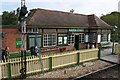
point(65, 40)
point(59, 40)
point(92, 37)
point(32, 42)
point(38, 42)
point(81, 38)
point(50, 40)
point(104, 37)
point(71, 39)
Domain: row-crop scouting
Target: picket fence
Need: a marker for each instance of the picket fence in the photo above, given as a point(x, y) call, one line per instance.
point(12, 67)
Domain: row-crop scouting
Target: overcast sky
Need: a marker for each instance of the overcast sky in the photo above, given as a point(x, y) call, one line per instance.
point(97, 7)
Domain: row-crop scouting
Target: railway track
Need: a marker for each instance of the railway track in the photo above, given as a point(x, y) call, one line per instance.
point(111, 72)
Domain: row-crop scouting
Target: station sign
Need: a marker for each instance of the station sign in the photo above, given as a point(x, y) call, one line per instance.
point(76, 30)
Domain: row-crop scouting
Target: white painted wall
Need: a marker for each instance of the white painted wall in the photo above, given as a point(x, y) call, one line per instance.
point(99, 38)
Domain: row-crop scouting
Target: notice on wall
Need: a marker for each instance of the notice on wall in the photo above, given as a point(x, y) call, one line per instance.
point(18, 42)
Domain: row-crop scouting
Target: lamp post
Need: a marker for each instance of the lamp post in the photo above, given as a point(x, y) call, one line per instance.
point(113, 47)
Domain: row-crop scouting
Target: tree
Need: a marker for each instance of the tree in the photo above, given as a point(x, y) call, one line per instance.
point(9, 18)
point(113, 19)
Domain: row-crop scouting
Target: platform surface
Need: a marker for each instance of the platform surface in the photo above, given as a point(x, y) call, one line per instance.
point(106, 54)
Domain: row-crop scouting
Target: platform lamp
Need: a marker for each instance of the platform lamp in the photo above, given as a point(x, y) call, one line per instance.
point(114, 30)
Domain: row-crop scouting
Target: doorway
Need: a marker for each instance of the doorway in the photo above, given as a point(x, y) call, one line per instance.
point(77, 45)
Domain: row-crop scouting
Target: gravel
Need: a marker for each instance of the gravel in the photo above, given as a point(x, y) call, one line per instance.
point(73, 72)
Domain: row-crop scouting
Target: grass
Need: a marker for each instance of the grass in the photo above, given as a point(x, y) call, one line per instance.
point(18, 54)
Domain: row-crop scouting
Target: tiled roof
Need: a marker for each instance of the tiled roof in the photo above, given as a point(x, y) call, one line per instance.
point(57, 19)
point(94, 21)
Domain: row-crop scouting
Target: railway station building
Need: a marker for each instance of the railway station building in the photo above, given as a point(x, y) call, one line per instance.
point(59, 30)
point(66, 30)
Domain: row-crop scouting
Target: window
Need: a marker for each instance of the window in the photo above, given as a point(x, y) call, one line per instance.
point(81, 36)
point(31, 42)
point(59, 40)
point(33, 30)
point(104, 37)
point(71, 39)
point(62, 39)
point(65, 40)
point(50, 40)
point(92, 37)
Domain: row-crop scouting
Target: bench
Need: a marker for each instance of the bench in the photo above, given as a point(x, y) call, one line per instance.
point(106, 44)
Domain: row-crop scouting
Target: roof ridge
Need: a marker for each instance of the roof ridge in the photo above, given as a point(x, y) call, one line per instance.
point(60, 11)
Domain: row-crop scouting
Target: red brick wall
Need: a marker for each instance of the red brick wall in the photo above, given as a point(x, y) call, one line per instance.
point(82, 46)
point(11, 33)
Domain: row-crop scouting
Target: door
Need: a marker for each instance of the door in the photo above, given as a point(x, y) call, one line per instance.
point(77, 44)
point(34, 41)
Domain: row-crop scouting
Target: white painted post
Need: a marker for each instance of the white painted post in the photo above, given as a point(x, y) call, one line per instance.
point(109, 37)
point(86, 38)
point(0, 72)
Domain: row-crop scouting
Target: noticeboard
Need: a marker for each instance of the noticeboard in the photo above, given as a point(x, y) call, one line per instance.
point(18, 42)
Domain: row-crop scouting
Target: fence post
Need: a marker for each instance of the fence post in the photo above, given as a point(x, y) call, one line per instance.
point(9, 72)
point(99, 51)
point(50, 63)
point(78, 58)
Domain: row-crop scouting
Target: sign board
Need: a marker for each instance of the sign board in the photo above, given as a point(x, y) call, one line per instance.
point(76, 30)
point(18, 42)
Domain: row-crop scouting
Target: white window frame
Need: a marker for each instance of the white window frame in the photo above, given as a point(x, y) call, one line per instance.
point(54, 43)
point(82, 38)
point(70, 40)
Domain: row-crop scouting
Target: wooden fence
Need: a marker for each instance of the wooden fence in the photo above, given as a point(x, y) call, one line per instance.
point(12, 67)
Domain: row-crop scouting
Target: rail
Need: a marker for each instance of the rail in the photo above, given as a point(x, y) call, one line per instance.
point(99, 70)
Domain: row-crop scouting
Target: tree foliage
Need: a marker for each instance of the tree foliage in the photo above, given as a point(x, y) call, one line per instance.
point(9, 18)
point(113, 19)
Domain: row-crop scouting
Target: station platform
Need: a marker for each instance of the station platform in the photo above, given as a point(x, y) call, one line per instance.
point(110, 58)
point(106, 54)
